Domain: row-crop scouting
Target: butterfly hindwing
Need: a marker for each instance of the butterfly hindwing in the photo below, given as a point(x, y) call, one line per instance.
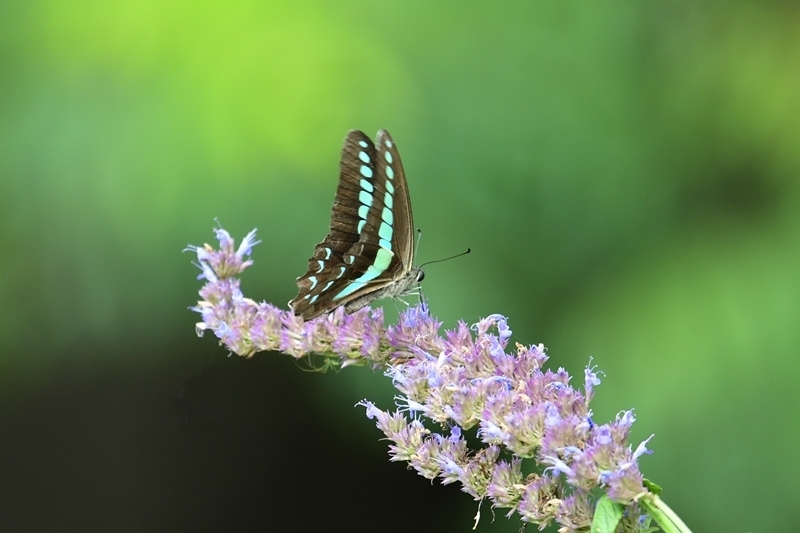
point(368, 252)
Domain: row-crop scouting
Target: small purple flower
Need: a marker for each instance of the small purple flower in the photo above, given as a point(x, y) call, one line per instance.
point(592, 379)
point(626, 484)
point(224, 262)
point(541, 499)
point(507, 485)
point(575, 512)
point(557, 466)
point(642, 448)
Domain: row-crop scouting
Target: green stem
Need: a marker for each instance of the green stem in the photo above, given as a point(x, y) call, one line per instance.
point(663, 515)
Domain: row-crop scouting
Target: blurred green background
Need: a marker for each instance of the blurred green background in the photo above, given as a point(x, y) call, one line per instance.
point(626, 175)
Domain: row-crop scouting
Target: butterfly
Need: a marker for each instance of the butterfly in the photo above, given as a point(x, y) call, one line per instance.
point(369, 251)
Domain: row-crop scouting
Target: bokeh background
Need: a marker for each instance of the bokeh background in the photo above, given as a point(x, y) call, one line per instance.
point(626, 175)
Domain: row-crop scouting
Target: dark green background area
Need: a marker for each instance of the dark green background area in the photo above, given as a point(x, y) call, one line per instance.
point(626, 175)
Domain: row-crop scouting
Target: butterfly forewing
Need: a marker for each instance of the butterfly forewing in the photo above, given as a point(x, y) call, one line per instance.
point(369, 249)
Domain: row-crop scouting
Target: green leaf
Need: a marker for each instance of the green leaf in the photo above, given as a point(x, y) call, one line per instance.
point(607, 515)
point(652, 487)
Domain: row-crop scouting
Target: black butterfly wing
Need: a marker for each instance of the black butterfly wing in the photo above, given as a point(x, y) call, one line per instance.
point(370, 243)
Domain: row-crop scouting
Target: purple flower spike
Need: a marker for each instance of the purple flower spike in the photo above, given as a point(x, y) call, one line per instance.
point(225, 262)
point(449, 383)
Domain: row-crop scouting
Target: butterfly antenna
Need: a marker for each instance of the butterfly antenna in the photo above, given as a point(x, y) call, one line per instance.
point(446, 258)
point(419, 238)
point(416, 250)
point(419, 285)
